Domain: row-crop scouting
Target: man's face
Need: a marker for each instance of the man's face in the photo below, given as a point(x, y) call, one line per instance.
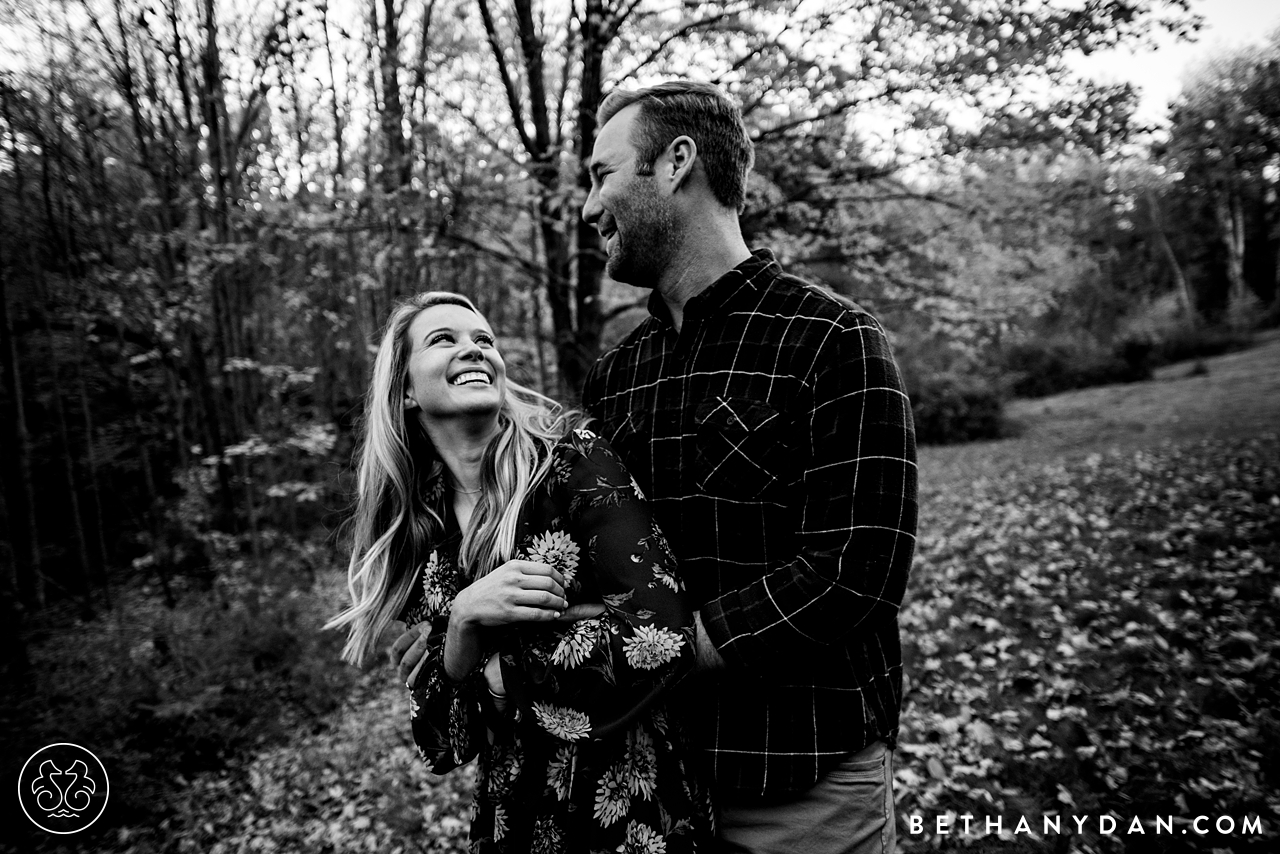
point(636, 221)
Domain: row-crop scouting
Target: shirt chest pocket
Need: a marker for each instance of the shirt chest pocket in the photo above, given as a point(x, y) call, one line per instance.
point(743, 447)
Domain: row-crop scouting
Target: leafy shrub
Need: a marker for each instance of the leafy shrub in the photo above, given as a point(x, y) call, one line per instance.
point(1042, 366)
point(954, 407)
point(1184, 343)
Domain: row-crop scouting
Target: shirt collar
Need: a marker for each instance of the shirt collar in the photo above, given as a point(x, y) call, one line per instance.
point(755, 272)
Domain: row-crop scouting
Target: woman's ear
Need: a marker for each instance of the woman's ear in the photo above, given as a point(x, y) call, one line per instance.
point(410, 403)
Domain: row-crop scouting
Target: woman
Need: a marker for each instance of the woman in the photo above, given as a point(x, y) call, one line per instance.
point(548, 619)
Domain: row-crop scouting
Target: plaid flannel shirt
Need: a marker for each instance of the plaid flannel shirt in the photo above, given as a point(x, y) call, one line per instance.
point(776, 444)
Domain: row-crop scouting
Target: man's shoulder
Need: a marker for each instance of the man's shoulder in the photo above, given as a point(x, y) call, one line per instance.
point(795, 297)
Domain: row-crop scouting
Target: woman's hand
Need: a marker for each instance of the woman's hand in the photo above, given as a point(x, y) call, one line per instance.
point(493, 677)
point(409, 652)
point(519, 591)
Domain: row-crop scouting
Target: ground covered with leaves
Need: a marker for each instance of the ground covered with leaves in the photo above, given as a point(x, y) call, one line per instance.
point(1097, 637)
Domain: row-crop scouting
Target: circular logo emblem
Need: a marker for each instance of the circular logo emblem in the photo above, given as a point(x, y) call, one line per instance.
point(63, 788)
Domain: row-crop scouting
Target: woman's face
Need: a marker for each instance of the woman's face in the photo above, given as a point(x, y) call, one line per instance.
point(455, 369)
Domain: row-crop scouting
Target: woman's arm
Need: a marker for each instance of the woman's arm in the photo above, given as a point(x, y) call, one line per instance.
point(440, 660)
point(597, 674)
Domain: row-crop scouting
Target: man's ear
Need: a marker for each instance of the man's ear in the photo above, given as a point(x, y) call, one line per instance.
point(677, 165)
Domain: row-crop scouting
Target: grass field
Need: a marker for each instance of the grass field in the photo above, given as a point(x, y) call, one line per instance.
point(1090, 631)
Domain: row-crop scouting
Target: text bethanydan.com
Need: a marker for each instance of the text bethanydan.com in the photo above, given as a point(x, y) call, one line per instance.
point(967, 824)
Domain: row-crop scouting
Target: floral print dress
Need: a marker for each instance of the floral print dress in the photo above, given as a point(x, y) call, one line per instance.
point(587, 757)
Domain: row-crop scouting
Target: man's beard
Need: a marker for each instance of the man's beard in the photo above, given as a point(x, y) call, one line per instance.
point(644, 248)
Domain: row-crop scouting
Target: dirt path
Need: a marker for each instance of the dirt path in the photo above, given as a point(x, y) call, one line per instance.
point(1238, 395)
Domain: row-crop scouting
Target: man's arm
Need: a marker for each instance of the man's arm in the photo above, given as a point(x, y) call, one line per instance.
point(858, 522)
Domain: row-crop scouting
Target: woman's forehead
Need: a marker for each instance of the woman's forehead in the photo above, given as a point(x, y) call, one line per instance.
point(449, 316)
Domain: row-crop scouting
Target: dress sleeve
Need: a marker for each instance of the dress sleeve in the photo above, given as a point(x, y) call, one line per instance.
point(592, 677)
point(445, 715)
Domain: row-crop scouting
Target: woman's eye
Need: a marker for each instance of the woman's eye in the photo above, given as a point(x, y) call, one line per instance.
point(440, 336)
point(487, 340)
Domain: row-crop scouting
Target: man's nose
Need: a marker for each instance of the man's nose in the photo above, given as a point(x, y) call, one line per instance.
point(592, 209)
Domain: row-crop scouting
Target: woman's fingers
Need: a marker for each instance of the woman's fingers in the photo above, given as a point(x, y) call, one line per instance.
point(530, 572)
point(414, 655)
point(412, 679)
point(581, 612)
point(402, 642)
point(543, 599)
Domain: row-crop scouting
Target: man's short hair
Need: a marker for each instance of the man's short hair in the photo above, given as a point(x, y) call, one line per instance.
point(697, 110)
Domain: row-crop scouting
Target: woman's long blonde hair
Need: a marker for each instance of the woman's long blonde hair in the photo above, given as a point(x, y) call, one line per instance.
point(395, 525)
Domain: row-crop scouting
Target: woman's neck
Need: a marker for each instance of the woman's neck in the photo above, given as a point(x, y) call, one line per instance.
point(461, 447)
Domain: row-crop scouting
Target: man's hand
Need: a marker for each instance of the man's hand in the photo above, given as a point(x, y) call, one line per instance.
point(409, 652)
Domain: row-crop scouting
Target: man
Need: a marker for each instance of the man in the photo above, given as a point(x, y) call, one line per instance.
point(766, 421)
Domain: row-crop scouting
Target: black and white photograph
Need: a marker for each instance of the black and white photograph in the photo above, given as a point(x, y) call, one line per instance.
point(640, 426)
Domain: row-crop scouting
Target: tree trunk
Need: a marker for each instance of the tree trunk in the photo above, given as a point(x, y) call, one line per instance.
point(27, 567)
point(95, 487)
point(27, 571)
point(596, 29)
point(68, 462)
point(1230, 215)
point(396, 168)
point(339, 171)
point(1185, 295)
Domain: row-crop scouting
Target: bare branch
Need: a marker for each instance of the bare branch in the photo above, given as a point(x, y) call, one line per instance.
point(674, 35)
point(508, 83)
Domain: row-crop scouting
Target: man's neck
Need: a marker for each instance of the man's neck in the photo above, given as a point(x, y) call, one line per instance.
point(696, 269)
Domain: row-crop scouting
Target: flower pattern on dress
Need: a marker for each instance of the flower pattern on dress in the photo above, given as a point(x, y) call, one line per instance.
point(560, 771)
point(661, 575)
point(437, 587)
point(572, 745)
point(652, 647)
point(547, 838)
point(504, 770)
point(576, 644)
point(557, 549)
point(613, 799)
point(562, 722)
point(642, 764)
point(642, 839)
point(499, 823)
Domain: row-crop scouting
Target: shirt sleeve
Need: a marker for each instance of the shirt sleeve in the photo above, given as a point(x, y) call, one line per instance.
point(593, 677)
point(858, 521)
point(445, 716)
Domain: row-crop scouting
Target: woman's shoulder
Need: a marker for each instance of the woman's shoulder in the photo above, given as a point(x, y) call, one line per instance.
point(583, 446)
point(586, 459)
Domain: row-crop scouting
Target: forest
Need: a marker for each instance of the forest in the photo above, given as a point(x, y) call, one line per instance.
point(207, 210)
